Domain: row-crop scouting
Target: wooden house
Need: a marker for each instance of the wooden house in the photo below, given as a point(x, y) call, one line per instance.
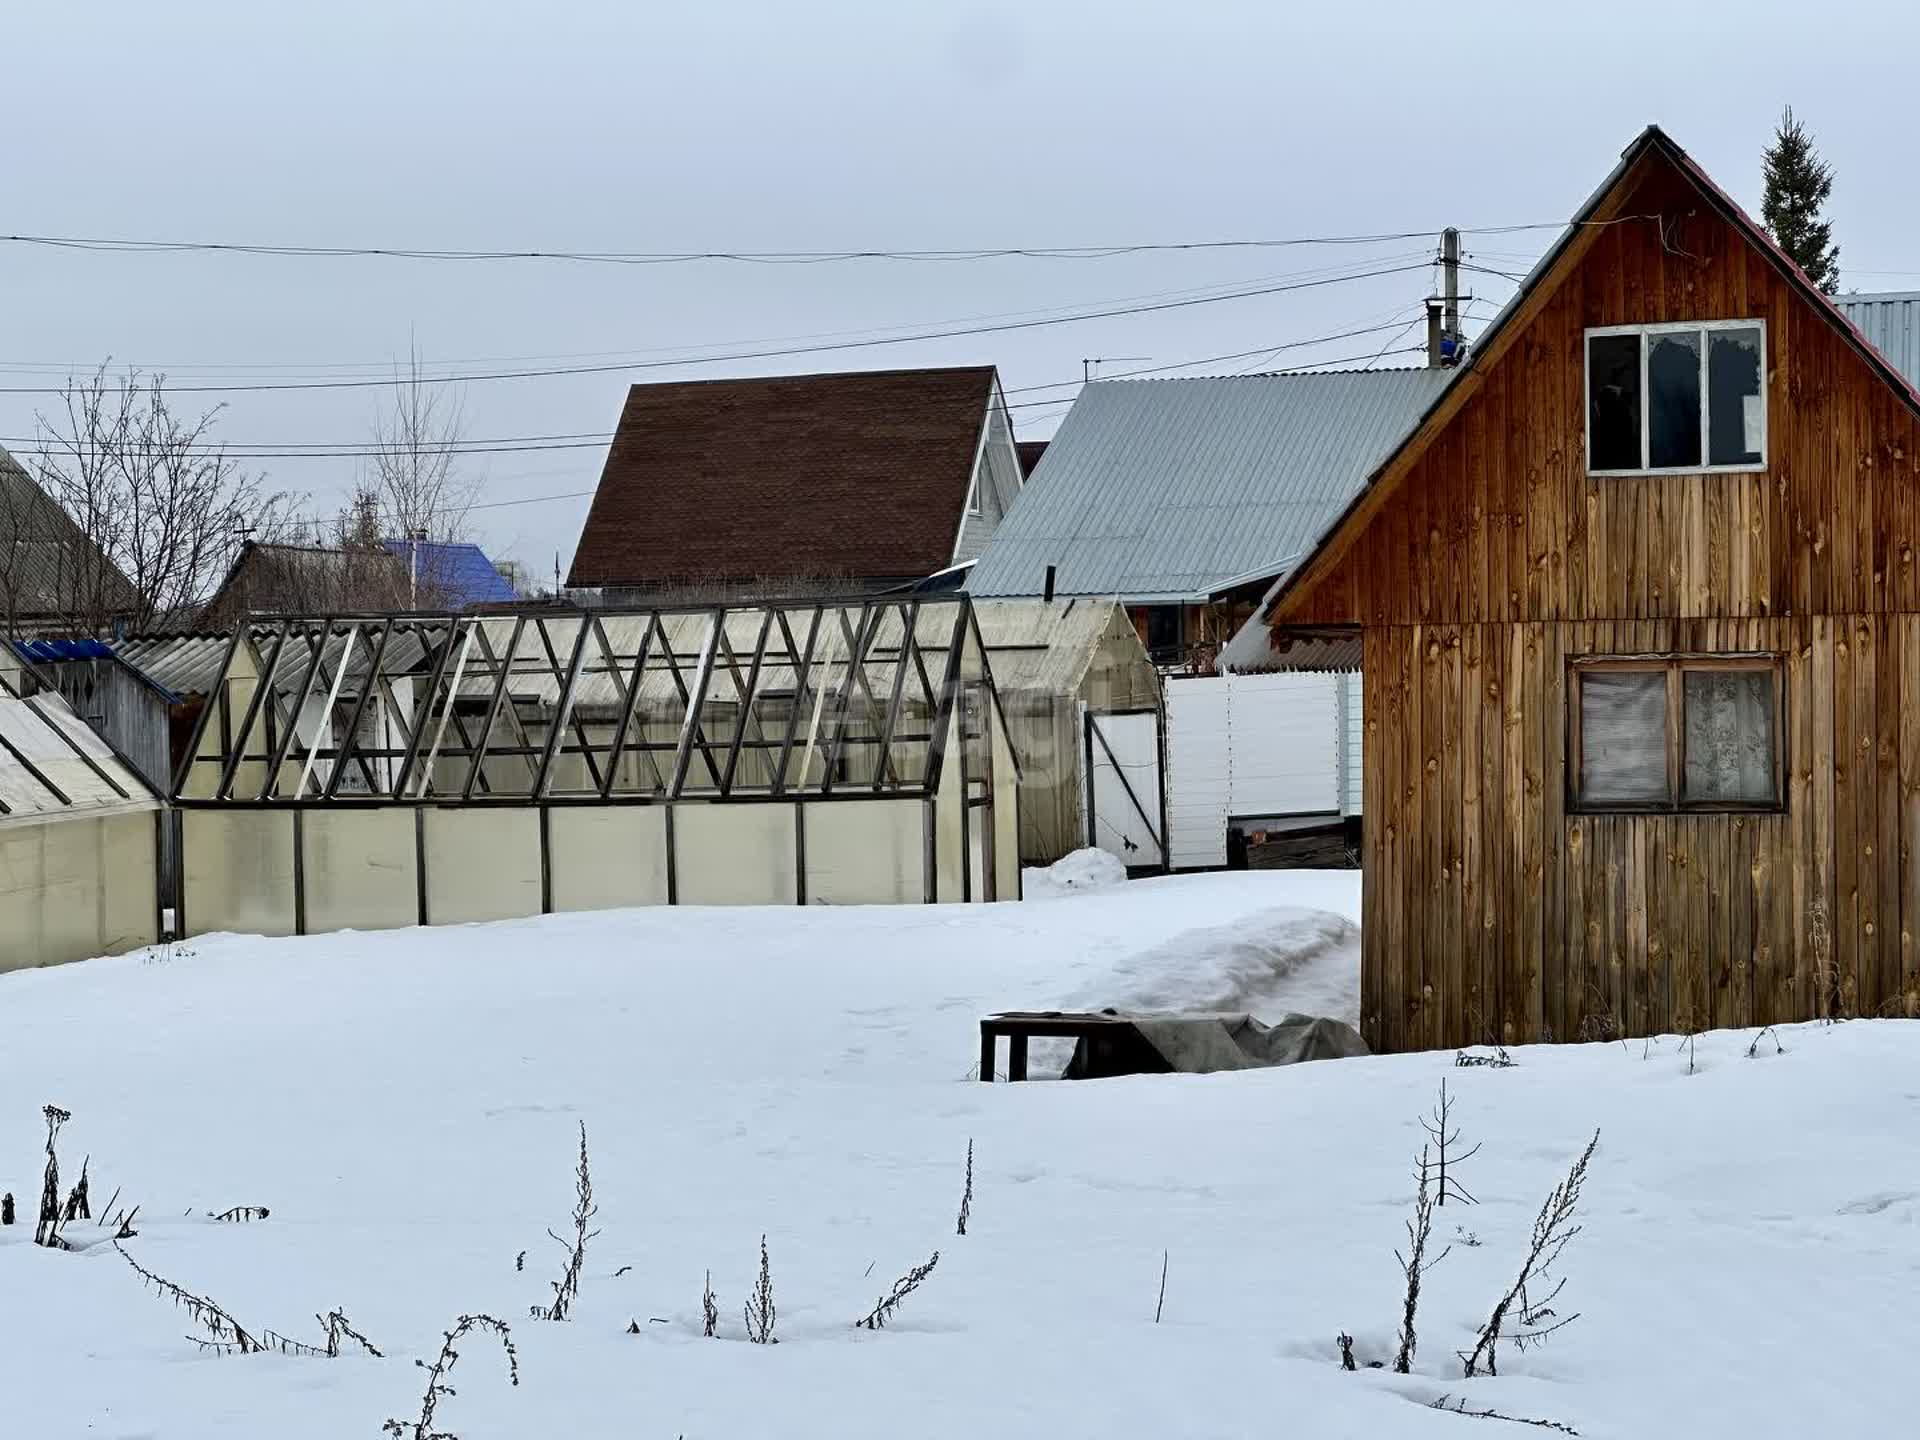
point(1639, 605)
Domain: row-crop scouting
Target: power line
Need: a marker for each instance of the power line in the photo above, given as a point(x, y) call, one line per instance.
point(768, 354)
point(128, 246)
point(385, 370)
point(686, 257)
point(37, 446)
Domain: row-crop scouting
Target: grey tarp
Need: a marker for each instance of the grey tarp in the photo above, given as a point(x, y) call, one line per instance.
point(1200, 1044)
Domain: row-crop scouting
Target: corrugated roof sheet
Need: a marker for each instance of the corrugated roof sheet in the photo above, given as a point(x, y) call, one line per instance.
point(457, 573)
point(191, 664)
point(1160, 489)
point(52, 766)
point(1891, 323)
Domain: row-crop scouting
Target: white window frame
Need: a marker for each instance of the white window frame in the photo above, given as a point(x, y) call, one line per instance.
point(1704, 329)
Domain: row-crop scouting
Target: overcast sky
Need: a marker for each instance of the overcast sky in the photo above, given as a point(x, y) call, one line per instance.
point(883, 124)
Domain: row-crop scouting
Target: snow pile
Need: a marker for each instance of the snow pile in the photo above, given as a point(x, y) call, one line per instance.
point(407, 1106)
point(1075, 874)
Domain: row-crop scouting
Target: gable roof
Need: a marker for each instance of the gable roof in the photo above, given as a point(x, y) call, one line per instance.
point(1565, 252)
point(43, 553)
point(269, 578)
point(459, 574)
point(861, 475)
point(1159, 490)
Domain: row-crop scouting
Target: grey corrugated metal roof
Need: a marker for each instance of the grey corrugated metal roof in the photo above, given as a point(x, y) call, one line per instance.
point(1892, 323)
point(1160, 489)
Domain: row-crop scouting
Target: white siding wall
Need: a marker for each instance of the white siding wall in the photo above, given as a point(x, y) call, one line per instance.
point(1355, 726)
point(996, 483)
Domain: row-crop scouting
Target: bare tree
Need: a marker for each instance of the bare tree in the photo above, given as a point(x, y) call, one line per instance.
point(156, 509)
point(414, 484)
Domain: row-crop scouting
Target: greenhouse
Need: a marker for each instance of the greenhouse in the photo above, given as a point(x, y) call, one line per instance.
point(367, 771)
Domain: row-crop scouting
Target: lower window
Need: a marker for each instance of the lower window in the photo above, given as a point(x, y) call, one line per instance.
point(1676, 732)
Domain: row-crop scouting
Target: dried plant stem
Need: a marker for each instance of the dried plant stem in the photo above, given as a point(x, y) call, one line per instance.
point(1459, 1407)
point(442, 1367)
point(883, 1311)
point(966, 1195)
point(1415, 1264)
point(1161, 1303)
point(46, 1229)
point(1552, 1229)
point(567, 1288)
point(709, 1310)
point(759, 1308)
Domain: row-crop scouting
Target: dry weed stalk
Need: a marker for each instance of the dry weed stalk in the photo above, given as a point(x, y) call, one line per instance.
point(1459, 1407)
point(709, 1309)
point(759, 1309)
point(1443, 1135)
point(883, 1311)
point(437, 1373)
point(77, 1206)
point(1161, 1303)
point(223, 1331)
point(1498, 1060)
point(1414, 1264)
point(241, 1212)
point(46, 1229)
point(1552, 1229)
point(966, 1195)
point(567, 1288)
point(334, 1322)
point(6, 1208)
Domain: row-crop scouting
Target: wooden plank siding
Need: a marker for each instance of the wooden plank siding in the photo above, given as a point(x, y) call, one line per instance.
point(1490, 560)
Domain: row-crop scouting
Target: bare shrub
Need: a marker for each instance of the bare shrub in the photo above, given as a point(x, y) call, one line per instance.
point(1414, 1264)
point(759, 1308)
point(966, 1195)
point(1552, 1229)
point(567, 1288)
point(437, 1387)
point(46, 1229)
point(883, 1311)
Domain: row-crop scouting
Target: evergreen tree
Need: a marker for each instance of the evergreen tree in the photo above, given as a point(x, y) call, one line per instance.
point(1798, 182)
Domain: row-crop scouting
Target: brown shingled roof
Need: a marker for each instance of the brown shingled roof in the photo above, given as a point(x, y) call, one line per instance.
point(860, 475)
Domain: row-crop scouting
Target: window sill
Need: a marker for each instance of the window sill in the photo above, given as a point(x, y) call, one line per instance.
point(1577, 811)
point(1755, 469)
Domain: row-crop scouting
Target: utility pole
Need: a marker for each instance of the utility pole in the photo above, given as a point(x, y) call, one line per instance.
point(1450, 274)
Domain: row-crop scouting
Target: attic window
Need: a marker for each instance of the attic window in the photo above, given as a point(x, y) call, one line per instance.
point(1663, 399)
point(1684, 732)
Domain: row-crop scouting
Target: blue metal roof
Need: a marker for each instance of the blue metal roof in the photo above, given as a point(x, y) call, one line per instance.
point(460, 574)
point(1160, 490)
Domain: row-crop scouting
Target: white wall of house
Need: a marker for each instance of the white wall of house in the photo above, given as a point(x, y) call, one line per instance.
point(996, 484)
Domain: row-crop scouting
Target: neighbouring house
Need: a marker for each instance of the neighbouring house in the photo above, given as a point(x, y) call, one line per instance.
point(52, 573)
point(1182, 499)
point(1172, 496)
point(797, 485)
point(1081, 700)
point(1891, 321)
point(452, 575)
point(1639, 608)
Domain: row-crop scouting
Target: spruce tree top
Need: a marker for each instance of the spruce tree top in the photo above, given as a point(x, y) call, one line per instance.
point(1798, 183)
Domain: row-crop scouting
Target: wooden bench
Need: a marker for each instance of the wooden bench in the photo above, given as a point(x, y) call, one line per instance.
point(1021, 1025)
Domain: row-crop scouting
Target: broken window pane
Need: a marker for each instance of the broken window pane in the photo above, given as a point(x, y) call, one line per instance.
point(1736, 399)
point(1613, 402)
point(1623, 737)
point(1673, 400)
point(1729, 737)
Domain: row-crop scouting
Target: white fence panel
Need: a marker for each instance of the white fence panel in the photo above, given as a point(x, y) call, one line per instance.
point(1248, 745)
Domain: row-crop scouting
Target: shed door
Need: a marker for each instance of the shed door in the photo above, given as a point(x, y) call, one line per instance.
point(1123, 800)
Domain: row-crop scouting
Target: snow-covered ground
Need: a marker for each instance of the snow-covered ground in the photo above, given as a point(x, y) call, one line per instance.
point(406, 1105)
